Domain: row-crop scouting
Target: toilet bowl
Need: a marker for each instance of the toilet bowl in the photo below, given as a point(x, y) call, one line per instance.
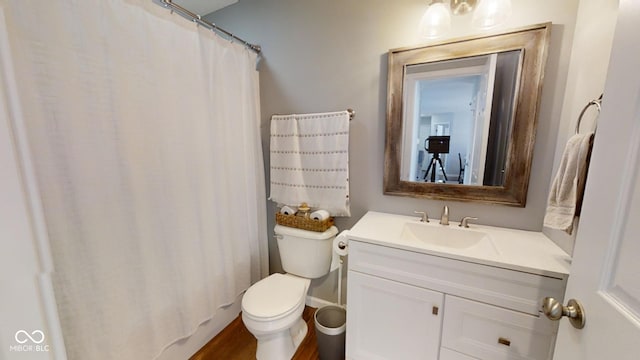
point(272, 311)
point(272, 307)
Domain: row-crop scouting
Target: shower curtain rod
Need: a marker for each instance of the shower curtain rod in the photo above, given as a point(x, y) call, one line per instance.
point(199, 20)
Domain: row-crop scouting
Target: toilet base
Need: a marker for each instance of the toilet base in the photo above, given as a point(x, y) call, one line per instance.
point(282, 345)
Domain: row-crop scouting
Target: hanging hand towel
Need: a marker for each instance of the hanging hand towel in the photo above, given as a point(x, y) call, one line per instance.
point(310, 161)
point(565, 197)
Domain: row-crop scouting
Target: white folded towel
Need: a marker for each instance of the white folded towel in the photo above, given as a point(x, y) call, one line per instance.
point(565, 196)
point(310, 161)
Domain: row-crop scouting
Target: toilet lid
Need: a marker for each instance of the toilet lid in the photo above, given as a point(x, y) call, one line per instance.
point(274, 296)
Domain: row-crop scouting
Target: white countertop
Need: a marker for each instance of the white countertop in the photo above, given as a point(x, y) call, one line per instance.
point(520, 250)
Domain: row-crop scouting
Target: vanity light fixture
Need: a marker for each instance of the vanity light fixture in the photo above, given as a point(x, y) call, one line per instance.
point(487, 14)
point(461, 7)
point(436, 20)
point(491, 13)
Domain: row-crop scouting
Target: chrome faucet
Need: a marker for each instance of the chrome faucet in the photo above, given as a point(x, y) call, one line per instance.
point(424, 217)
point(444, 219)
point(465, 221)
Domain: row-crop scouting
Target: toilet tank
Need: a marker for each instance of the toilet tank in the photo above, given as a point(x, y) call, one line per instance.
point(305, 253)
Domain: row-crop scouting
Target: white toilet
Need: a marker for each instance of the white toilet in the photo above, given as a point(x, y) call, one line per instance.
point(272, 307)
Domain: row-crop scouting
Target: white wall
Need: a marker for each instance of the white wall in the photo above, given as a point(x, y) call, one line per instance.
point(332, 55)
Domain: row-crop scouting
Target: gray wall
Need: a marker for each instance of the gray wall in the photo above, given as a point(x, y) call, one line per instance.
point(594, 30)
point(331, 55)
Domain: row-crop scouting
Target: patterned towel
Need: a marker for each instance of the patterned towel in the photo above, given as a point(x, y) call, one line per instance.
point(310, 161)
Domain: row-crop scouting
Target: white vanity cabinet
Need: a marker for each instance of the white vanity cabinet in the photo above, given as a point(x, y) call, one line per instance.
point(410, 305)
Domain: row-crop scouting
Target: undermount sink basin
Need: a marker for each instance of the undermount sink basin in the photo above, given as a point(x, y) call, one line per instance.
point(445, 236)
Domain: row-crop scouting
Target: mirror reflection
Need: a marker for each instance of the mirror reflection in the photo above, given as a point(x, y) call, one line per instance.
point(458, 119)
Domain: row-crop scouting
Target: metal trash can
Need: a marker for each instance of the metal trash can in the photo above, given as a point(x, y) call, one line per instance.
point(331, 323)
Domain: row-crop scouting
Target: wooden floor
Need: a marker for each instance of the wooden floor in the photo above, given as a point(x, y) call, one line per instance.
point(236, 342)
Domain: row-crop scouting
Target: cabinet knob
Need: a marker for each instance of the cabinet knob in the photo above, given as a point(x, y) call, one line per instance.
point(504, 341)
point(434, 310)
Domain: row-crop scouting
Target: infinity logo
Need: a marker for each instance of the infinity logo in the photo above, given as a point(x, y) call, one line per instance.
point(24, 333)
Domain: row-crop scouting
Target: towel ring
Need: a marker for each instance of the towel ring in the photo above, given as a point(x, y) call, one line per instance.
point(597, 103)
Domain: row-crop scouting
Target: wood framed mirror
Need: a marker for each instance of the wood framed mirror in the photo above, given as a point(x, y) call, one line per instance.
point(462, 115)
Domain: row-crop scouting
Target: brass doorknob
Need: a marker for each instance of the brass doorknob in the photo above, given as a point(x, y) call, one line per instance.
point(554, 310)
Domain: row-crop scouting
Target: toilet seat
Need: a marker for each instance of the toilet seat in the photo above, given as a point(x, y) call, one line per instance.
point(274, 297)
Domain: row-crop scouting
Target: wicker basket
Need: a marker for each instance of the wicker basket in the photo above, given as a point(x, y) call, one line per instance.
point(303, 223)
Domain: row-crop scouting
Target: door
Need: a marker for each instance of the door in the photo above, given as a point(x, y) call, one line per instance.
point(484, 99)
point(606, 268)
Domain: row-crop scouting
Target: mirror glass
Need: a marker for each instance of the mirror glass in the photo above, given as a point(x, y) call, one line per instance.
point(453, 131)
point(461, 117)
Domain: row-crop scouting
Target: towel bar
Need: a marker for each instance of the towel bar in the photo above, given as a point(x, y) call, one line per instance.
point(352, 114)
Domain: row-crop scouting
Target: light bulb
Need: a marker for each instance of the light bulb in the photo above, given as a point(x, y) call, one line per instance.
point(435, 22)
point(491, 13)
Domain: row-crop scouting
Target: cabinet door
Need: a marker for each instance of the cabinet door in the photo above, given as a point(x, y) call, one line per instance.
point(391, 320)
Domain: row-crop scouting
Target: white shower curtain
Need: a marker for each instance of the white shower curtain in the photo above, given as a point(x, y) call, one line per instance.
point(144, 133)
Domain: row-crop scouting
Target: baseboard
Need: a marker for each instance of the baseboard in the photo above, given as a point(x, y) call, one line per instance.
point(318, 303)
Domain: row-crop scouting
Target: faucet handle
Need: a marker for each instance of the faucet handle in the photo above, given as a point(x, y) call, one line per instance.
point(465, 221)
point(424, 216)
